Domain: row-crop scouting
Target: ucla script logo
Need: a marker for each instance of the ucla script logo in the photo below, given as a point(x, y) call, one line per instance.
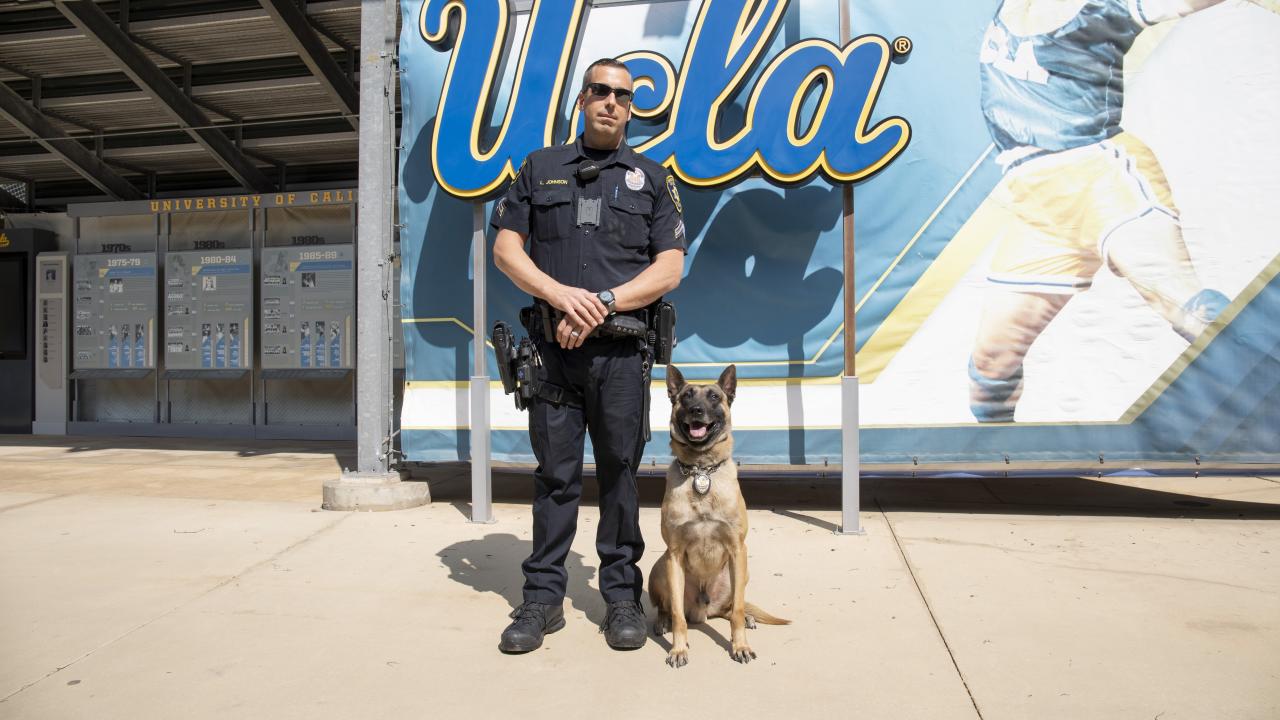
point(726, 45)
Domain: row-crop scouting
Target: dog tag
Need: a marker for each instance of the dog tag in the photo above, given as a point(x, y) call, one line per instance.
point(702, 483)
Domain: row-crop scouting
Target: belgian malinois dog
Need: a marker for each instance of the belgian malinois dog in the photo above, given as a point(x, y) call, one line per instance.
point(703, 573)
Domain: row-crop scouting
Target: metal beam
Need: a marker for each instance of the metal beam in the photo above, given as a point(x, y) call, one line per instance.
point(98, 27)
point(14, 46)
point(139, 154)
point(172, 22)
point(9, 200)
point(210, 97)
point(52, 138)
point(293, 22)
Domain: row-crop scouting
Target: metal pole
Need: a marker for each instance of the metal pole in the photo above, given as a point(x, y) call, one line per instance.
point(373, 235)
point(388, 74)
point(373, 485)
point(481, 472)
point(850, 477)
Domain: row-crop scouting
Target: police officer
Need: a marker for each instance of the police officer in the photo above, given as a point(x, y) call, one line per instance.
point(604, 236)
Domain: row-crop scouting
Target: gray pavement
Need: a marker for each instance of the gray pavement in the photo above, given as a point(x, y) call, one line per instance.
point(194, 579)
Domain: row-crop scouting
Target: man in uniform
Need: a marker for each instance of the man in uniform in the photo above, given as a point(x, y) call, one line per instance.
point(604, 236)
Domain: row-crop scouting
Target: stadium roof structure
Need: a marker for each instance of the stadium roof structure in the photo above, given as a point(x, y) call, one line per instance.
point(134, 99)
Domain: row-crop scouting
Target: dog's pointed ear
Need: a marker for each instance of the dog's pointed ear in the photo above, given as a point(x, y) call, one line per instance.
point(675, 381)
point(729, 382)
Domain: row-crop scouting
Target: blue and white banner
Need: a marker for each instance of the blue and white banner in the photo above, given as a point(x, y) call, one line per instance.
point(1064, 216)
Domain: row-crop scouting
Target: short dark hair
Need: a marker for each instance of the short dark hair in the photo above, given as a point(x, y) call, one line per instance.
point(602, 62)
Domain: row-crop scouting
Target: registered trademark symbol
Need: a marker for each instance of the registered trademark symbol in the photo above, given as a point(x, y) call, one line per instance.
point(901, 48)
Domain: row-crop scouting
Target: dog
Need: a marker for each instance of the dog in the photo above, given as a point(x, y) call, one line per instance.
point(703, 573)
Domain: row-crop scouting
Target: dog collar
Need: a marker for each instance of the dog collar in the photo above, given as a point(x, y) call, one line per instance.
point(701, 475)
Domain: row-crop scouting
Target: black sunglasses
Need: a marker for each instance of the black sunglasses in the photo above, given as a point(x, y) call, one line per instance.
point(600, 90)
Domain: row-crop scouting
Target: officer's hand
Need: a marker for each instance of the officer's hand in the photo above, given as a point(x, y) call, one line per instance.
point(581, 307)
point(571, 336)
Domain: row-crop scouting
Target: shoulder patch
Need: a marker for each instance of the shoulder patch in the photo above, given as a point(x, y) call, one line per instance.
point(675, 196)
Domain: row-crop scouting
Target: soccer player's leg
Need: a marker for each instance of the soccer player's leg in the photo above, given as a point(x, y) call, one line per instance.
point(1011, 322)
point(1140, 236)
point(1035, 271)
point(1150, 253)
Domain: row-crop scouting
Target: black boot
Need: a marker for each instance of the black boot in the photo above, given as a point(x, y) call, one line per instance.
point(624, 626)
point(532, 621)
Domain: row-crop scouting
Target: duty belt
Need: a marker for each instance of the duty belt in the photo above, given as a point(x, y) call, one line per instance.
point(618, 326)
point(655, 342)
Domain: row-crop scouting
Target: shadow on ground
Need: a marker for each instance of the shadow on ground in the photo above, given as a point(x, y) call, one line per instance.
point(491, 565)
point(344, 451)
point(792, 495)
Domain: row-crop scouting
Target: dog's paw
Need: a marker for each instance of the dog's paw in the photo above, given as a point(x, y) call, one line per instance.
point(662, 625)
point(751, 622)
point(742, 653)
point(678, 658)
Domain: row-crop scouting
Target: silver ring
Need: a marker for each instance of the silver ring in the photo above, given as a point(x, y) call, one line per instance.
point(575, 333)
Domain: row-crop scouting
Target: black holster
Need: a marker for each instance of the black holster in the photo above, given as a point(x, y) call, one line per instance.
point(520, 365)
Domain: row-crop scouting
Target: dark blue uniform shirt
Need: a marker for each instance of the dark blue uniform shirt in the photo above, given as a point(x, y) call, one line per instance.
point(639, 215)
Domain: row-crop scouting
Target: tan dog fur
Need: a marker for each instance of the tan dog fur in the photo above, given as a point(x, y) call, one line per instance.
point(703, 573)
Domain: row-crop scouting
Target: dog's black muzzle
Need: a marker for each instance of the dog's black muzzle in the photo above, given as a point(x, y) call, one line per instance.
point(699, 424)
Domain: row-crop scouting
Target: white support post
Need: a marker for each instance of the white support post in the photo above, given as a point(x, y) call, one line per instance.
point(481, 470)
point(850, 471)
point(850, 475)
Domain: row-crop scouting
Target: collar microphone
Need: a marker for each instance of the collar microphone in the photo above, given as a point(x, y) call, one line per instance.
point(588, 171)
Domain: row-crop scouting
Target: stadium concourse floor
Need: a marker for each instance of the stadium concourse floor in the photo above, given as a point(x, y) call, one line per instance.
point(199, 579)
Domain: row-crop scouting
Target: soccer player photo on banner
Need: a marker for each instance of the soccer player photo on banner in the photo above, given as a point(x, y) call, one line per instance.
point(1134, 155)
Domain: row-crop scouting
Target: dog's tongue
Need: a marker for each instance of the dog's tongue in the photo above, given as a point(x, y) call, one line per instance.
point(697, 431)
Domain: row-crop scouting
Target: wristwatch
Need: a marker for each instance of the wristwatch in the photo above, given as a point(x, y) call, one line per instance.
point(606, 297)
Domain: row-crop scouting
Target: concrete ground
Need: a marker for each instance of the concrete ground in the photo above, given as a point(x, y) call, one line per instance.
point(194, 579)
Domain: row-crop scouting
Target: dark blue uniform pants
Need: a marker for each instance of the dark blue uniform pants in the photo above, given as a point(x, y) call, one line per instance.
point(609, 377)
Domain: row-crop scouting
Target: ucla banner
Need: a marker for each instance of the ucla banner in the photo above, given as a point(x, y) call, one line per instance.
point(1064, 213)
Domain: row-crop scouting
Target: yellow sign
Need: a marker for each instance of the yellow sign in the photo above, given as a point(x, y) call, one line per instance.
point(237, 202)
point(4, 240)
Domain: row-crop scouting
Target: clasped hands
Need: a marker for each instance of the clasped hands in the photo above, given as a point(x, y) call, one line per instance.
point(583, 313)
